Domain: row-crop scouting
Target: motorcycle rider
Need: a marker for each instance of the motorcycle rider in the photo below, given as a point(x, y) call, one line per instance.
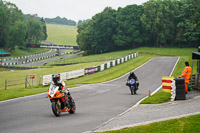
point(62, 86)
point(133, 76)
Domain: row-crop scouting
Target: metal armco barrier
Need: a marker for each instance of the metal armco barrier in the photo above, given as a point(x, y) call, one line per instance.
point(26, 59)
point(20, 67)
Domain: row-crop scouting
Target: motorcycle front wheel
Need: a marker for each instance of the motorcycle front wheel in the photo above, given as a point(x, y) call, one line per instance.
point(56, 108)
point(132, 90)
point(72, 106)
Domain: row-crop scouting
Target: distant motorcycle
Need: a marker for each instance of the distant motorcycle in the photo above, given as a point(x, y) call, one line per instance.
point(60, 102)
point(132, 86)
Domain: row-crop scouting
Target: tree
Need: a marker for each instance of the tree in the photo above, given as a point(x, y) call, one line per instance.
point(4, 23)
point(82, 21)
point(129, 27)
point(13, 26)
point(188, 23)
point(155, 23)
point(34, 31)
point(59, 20)
point(98, 32)
point(158, 18)
point(44, 29)
point(17, 35)
point(84, 36)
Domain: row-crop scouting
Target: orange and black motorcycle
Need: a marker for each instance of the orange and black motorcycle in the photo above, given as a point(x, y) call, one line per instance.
point(60, 102)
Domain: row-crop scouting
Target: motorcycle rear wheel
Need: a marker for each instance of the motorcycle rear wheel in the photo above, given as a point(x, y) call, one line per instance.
point(56, 108)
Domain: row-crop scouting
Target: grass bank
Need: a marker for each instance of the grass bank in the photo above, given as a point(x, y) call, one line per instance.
point(189, 124)
point(93, 58)
point(159, 97)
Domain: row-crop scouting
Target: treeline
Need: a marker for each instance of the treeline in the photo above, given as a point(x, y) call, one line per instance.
point(156, 23)
point(59, 20)
point(16, 31)
point(82, 21)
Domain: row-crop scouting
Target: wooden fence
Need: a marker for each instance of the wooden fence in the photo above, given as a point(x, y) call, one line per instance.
point(14, 82)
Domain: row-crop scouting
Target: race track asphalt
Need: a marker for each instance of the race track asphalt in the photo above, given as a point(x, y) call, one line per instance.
point(96, 103)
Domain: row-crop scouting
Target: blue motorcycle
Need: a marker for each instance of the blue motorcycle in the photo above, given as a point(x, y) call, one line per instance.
point(132, 86)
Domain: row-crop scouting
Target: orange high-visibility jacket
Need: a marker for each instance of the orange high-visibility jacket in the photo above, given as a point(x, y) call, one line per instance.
point(186, 73)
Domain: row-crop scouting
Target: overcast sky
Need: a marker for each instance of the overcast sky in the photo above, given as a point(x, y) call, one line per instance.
point(70, 9)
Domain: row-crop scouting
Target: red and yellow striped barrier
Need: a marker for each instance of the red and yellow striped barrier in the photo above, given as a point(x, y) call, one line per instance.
point(167, 82)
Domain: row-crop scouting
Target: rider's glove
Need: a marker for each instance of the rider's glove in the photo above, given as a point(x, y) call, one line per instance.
point(62, 91)
point(68, 93)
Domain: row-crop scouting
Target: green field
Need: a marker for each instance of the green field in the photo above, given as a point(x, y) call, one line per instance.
point(62, 34)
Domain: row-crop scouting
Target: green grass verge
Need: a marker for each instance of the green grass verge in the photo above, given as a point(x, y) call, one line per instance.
point(159, 97)
point(189, 124)
point(20, 92)
point(93, 58)
point(62, 34)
